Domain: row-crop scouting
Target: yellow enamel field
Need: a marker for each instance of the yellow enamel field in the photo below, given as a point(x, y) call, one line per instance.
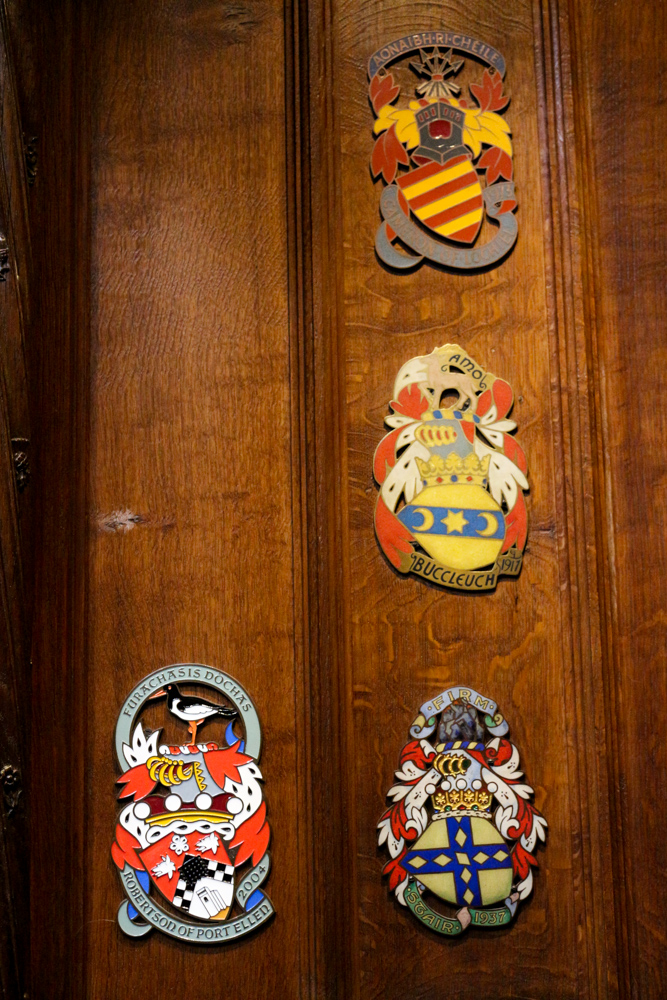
point(449, 201)
point(443, 177)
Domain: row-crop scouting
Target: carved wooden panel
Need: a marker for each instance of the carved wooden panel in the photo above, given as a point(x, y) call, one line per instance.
point(533, 643)
point(625, 301)
point(189, 554)
point(213, 343)
point(15, 534)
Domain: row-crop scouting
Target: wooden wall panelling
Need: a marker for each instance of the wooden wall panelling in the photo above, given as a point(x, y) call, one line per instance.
point(618, 62)
point(191, 483)
point(333, 754)
point(321, 844)
point(531, 645)
point(14, 685)
point(54, 87)
point(211, 329)
point(15, 540)
point(584, 517)
point(17, 233)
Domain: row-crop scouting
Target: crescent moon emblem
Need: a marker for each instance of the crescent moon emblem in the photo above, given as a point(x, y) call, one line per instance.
point(491, 525)
point(428, 519)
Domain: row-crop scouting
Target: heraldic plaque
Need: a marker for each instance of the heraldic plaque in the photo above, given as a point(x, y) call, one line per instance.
point(460, 827)
point(191, 841)
point(451, 507)
point(446, 159)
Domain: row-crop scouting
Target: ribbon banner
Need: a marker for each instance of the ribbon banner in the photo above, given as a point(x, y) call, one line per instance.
point(416, 239)
point(425, 39)
point(430, 569)
point(187, 673)
point(258, 909)
point(466, 917)
point(425, 723)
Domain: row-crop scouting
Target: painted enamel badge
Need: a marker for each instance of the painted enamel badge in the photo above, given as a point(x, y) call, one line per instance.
point(446, 160)
point(461, 827)
point(192, 837)
point(451, 506)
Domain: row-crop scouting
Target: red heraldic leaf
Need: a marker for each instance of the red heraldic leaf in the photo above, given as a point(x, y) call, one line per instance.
point(382, 91)
point(525, 813)
point(507, 206)
point(502, 397)
point(484, 403)
point(497, 164)
point(500, 394)
point(515, 453)
point(138, 783)
point(496, 757)
point(522, 860)
point(489, 95)
point(393, 536)
point(252, 837)
point(414, 751)
point(124, 849)
point(411, 402)
point(468, 430)
point(516, 522)
point(395, 872)
point(224, 764)
point(388, 152)
point(385, 456)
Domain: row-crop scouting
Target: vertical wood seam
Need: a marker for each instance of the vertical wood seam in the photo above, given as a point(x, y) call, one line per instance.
point(625, 929)
point(335, 896)
point(75, 647)
point(297, 215)
point(579, 554)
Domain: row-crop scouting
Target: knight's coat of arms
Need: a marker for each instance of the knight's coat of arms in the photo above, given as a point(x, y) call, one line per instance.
point(451, 506)
point(461, 827)
point(191, 842)
point(446, 160)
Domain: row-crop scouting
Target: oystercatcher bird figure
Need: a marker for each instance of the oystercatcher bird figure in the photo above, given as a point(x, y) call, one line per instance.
point(195, 711)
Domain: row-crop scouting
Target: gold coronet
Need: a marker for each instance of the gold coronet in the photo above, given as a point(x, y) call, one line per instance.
point(464, 800)
point(470, 470)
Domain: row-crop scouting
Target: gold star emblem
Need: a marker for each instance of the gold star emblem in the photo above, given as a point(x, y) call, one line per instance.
point(454, 522)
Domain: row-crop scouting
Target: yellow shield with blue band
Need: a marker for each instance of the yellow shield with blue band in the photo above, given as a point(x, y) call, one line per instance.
point(464, 861)
point(454, 517)
point(460, 525)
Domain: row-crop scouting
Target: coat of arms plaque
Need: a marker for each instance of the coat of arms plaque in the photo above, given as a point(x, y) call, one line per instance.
point(452, 476)
point(461, 827)
point(191, 845)
point(447, 160)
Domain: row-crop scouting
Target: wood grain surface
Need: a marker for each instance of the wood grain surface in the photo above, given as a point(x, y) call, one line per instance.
point(530, 644)
point(16, 542)
point(626, 303)
point(212, 348)
point(191, 550)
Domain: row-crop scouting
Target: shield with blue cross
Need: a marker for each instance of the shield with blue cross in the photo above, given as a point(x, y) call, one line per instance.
point(462, 860)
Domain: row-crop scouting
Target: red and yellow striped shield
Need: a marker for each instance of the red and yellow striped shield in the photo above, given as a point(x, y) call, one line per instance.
point(445, 197)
